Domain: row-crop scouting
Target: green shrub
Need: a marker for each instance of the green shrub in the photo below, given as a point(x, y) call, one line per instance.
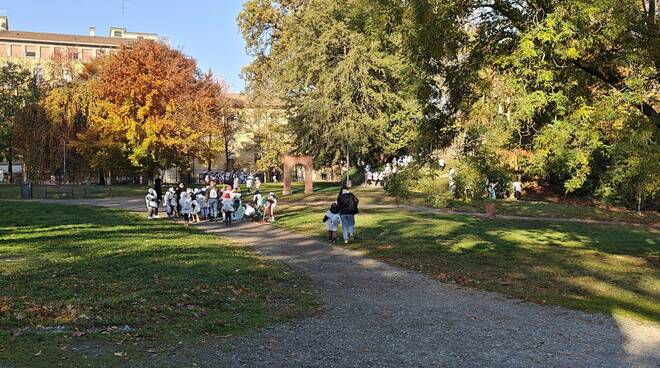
point(402, 185)
point(357, 176)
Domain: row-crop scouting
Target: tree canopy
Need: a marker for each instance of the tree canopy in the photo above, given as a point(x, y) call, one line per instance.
point(568, 90)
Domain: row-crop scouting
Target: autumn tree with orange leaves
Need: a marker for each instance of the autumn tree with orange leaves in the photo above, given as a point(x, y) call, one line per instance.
point(145, 84)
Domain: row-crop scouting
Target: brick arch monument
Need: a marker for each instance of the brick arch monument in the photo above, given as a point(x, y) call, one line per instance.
point(290, 161)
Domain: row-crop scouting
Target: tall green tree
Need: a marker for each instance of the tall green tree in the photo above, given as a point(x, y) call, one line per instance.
point(18, 89)
point(569, 82)
point(338, 68)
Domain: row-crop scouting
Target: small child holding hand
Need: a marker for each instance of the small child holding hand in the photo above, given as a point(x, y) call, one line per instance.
point(332, 221)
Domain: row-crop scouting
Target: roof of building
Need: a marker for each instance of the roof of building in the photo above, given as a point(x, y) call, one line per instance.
point(63, 39)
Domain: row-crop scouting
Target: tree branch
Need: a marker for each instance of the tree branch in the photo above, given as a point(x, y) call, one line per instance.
point(617, 83)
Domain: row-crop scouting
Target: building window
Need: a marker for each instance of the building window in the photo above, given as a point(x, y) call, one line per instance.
point(86, 54)
point(46, 52)
point(16, 51)
point(118, 34)
point(30, 51)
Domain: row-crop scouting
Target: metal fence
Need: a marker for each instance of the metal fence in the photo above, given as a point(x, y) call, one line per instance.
point(57, 191)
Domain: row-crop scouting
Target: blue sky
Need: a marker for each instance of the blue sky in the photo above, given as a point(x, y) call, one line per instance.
point(203, 29)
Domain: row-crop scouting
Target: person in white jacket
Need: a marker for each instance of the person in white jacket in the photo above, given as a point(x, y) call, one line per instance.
point(186, 206)
point(151, 200)
point(332, 221)
point(170, 202)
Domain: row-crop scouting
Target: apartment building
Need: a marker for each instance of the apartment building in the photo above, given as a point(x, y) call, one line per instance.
point(37, 47)
point(34, 50)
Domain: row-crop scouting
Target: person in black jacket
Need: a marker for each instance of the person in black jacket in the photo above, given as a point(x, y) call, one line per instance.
point(158, 187)
point(348, 208)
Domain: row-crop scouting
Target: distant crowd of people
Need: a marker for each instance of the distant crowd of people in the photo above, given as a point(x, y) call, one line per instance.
point(233, 178)
point(211, 203)
point(377, 178)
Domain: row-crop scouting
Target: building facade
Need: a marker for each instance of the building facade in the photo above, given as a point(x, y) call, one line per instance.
point(35, 50)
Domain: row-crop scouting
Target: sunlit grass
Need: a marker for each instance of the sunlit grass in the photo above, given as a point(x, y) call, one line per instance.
point(87, 270)
point(609, 269)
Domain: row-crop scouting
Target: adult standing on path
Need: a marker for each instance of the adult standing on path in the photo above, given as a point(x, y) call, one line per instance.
point(158, 187)
point(348, 208)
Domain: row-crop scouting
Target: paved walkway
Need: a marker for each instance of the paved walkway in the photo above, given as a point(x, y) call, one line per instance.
point(377, 315)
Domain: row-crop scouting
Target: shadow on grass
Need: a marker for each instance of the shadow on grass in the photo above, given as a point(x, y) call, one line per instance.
point(599, 268)
point(86, 267)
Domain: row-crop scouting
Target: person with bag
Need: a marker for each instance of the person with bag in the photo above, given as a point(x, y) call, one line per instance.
point(348, 208)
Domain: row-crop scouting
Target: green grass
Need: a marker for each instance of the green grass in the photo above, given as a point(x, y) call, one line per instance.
point(89, 269)
point(327, 192)
point(609, 269)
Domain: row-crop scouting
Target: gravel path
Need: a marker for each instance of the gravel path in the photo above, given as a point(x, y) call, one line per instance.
point(377, 315)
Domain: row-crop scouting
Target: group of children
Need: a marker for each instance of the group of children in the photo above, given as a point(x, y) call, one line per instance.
point(211, 203)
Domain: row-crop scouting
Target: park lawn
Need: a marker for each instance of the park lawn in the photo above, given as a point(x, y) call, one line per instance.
point(608, 269)
point(327, 192)
point(120, 287)
point(555, 210)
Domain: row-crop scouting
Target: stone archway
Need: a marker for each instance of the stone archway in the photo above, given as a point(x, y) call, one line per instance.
point(290, 161)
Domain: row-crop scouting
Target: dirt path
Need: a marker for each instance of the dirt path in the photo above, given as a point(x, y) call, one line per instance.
point(377, 315)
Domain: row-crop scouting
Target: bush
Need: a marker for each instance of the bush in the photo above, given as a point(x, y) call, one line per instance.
point(402, 185)
point(472, 176)
point(414, 180)
point(357, 176)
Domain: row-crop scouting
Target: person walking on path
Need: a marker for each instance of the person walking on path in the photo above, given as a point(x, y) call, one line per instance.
point(517, 189)
point(332, 220)
point(270, 209)
point(348, 208)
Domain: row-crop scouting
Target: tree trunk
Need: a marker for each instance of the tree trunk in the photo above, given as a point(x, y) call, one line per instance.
point(10, 162)
point(101, 177)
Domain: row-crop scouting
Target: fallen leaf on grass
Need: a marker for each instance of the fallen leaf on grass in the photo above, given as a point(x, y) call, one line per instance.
point(120, 354)
point(37, 354)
